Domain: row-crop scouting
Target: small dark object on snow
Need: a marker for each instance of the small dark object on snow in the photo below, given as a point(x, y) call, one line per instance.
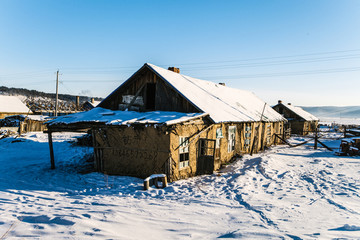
point(155, 179)
point(349, 147)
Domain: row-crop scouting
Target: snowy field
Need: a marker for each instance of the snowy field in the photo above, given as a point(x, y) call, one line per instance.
point(341, 121)
point(284, 193)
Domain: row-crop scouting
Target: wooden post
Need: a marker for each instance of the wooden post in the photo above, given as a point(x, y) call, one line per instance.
point(283, 140)
point(283, 133)
point(52, 159)
point(254, 141)
point(96, 163)
point(316, 139)
point(146, 184)
point(57, 93)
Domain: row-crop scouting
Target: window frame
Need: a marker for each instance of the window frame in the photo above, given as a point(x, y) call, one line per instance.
point(247, 135)
point(231, 140)
point(184, 152)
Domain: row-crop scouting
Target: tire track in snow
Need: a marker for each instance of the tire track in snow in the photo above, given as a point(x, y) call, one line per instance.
point(254, 163)
point(242, 202)
point(251, 164)
point(323, 195)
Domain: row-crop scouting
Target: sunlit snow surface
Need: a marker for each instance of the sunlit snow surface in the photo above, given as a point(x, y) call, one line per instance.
point(283, 193)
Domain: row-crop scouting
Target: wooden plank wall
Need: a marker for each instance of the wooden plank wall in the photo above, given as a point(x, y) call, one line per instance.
point(166, 99)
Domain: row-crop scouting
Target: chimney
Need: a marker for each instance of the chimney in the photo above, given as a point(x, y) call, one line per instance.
point(222, 84)
point(92, 100)
point(289, 103)
point(77, 101)
point(174, 69)
point(279, 101)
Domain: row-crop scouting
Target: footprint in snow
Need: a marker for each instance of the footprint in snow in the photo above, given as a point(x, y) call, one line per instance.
point(346, 227)
point(46, 220)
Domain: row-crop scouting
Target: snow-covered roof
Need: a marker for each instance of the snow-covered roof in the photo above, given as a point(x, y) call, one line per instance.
point(94, 103)
point(102, 115)
point(12, 104)
point(37, 117)
point(31, 117)
point(301, 112)
point(224, 104)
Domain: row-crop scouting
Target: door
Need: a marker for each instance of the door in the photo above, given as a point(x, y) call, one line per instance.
point(205, 160)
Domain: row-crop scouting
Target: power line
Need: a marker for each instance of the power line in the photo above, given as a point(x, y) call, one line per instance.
point(238, 65)
point(86, 80)
point(262, 75)
point(33, 73)
point(273, 63)
point(279, 74)
point(266, 58)
point(213, 65)
point(130, 68)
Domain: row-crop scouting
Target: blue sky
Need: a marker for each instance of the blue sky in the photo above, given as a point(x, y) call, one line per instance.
point(304, 52)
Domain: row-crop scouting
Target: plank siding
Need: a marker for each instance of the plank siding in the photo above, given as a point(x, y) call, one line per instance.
point(166, 98)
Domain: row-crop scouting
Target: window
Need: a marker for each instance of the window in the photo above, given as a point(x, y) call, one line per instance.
point(184, 151)
point(219, 135)
point(231, 138)
point(247, 136)
point(268, 134)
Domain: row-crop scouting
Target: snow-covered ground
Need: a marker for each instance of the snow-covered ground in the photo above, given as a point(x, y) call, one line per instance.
point(283, 193)
point(340, 121)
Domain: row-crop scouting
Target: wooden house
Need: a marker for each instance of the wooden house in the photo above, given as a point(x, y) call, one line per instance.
point(299, 121)
point(33, 123)
point(24, 123)
point(11, 105)
point(160, 121)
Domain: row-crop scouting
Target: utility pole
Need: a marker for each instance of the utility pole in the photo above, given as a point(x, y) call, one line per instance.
point(57, 93)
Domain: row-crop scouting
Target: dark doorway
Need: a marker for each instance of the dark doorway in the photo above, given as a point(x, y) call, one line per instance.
point(206, 152)
point(150, 96)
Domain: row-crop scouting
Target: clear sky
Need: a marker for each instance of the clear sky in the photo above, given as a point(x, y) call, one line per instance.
point(305, 52)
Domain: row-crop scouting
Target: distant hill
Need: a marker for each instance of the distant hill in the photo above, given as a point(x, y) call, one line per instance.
point(35, 94)
point(334, 112)
point(40, 102)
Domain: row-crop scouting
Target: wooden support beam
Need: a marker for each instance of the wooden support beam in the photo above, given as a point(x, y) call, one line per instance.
point(52, 158)
point(316, 139)
point(136, 95)
point(196, 136)
point(254, 143)
point(330, 149)
point(96, 164)
point(283, 140)
point(301, 143)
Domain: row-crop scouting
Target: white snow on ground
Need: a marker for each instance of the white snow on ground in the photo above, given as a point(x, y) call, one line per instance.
point(344, 121)
point(283, 193)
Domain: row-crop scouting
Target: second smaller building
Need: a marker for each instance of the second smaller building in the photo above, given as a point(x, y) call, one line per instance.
point(300, 121)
